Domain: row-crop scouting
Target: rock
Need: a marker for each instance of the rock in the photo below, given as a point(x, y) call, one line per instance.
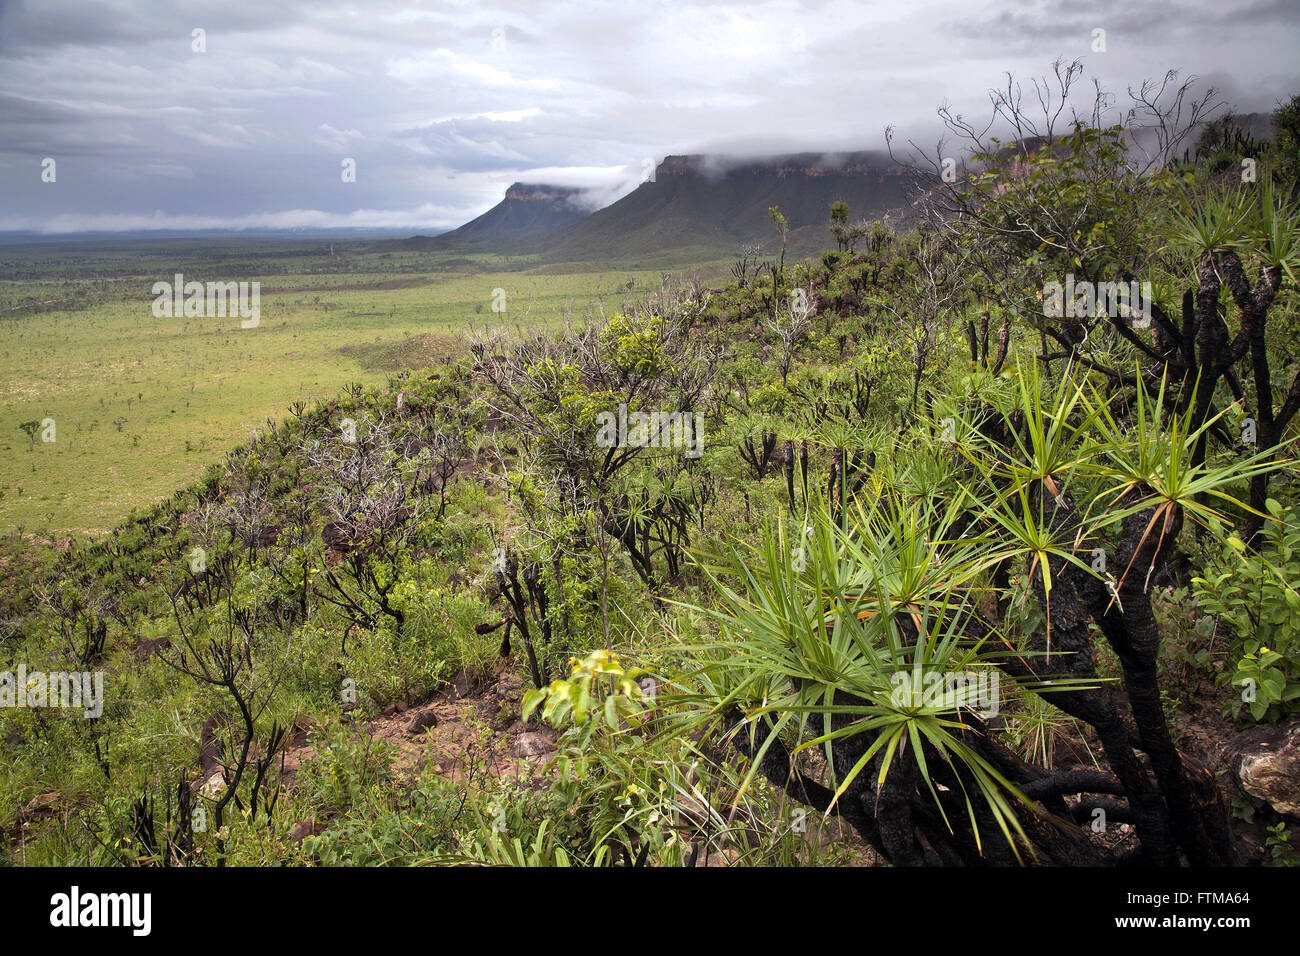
point(303, 829)
point(724, 857)
point(392, 710)
point(302, 728)
point(464, 684)
point(147, 649)
point(1265, 762)
point(425, 720)
point(509, 688)
point(213, 787)
point(40, 805)
point(533, 745)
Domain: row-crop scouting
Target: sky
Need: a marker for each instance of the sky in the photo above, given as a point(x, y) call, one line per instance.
point(180, 115)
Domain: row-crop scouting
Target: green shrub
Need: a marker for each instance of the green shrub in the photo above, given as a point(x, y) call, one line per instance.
point(419, 826)
point(1252, 596)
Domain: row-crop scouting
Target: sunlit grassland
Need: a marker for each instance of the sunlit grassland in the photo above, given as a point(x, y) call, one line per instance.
point(142, 405)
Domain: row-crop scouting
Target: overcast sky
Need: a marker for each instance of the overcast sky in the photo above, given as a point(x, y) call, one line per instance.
point(444, 104)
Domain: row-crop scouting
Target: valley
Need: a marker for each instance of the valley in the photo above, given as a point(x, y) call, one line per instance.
point(144, 403)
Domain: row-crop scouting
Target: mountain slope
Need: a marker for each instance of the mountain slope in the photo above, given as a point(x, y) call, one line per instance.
point(528, 209)
point(700, 202)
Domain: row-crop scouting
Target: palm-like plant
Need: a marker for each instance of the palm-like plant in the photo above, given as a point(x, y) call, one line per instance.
point(1152, 465)
point(1055, 438)
point(1025, 483)
point(1203, 227)
point(810, 651)
point(816, 649)
point(1274, 232)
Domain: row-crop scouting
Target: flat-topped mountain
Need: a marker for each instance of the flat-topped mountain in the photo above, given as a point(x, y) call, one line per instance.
point(710, 203)
point(693, 207)
point(528, 209)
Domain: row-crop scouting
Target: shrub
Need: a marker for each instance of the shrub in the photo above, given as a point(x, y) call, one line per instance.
point(1252, 596)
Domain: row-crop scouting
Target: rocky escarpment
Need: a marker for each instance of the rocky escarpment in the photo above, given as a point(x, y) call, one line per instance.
point(705, 202)
point(528, 209)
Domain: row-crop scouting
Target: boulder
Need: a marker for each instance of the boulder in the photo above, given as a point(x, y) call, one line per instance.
point(214, 786)
point(304, 829)
point(422, 721)
point(533, 745)
point(1265, 762)
point(42, 805)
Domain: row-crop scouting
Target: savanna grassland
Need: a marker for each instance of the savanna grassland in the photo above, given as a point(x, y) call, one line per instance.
point(141, 403)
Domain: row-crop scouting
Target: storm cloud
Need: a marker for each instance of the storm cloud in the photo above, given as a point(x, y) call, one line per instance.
point(246, 124)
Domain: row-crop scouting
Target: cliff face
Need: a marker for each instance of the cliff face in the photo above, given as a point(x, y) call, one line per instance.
point(528, 210)
point(805, 165)
point(700, 205)
point(717, 203)
point(536, 192)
